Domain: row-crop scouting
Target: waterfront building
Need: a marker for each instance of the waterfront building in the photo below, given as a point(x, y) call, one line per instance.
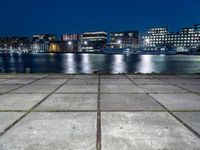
point(94, 41)
point(14, 44)
point(124, 39)
point(71, 42)
point(182, 41)
point(41, 42)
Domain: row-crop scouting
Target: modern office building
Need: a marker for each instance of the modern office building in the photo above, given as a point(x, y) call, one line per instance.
point(124, 39)
point(94, 41)
point(184, 40)
point(71, 43)
point(41, 42)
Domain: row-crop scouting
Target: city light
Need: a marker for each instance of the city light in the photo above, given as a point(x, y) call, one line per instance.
point(85, 43)
point(70, 43)
point(119, 42)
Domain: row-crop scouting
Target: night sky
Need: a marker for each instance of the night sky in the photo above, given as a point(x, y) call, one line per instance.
point(27, 17)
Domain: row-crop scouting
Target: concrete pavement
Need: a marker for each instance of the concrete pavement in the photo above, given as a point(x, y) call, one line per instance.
point(99, 112)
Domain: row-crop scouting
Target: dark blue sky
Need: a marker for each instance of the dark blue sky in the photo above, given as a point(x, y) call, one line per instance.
point(27, 17)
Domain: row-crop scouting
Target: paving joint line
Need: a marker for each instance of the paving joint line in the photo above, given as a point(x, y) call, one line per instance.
point(178, 119)
point(29, 111)
point(98, 134)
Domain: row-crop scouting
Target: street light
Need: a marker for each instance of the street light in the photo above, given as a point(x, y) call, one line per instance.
point(119, 42)
point(85, 43)
point(70, 43)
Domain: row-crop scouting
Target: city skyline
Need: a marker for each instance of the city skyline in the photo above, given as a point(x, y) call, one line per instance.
point(25, 18)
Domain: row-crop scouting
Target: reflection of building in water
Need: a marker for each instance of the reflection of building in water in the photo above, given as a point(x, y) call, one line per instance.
point(85, 64)
point(94, 41)
point(145, 64)
point(119, 65)
point(69, 63)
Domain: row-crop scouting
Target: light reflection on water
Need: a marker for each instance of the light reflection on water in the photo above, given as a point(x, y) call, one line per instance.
point(89, 63)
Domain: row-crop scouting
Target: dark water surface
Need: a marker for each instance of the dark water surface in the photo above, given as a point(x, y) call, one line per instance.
point(89, 63)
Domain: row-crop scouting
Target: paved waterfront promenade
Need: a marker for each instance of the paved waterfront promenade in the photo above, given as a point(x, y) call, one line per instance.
point(99, 112)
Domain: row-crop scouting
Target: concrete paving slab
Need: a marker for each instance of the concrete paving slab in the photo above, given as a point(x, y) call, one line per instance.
point(51, 81)
point(145, 131)
point(140, 76)
point(161, 88)
point(191, 87)
point(183, 101)
point(116, 81)
point(18, 81)
point(189, 76)
point(86, 76)
point(31, 88)
point(166, 76)
point(6, 88)
point(32, 76)
point(83, 81)
point(2, 80)
point(181, 81)
point(190, 118)
point(78, 89)
point(9, 76)
point(148, 81)
point(19, 101)
point(7, 118)
point(60, 76)
point(128, 102)
point(121, 89)
point(113, 77)
point(69, 102)
point(52, 131)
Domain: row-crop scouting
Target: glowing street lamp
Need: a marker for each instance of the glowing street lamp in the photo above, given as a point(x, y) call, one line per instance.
point(85, 43)
point(70, 43)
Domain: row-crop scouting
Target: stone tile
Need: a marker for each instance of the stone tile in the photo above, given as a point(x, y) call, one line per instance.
point(183, 101)
point(7, 118)
point(189, 76)
point(115, 81)
point(59, 76)
point(69, 102)
point(50, 81)
point(86, 76)
point(36, 89)
point(148, 81)
point(128, 102)
point(2, 80)
point(113, 77)
point(180, 81)
point(191, 87)
point(166, 76)
point(6, 88)
point(190, 118)
point(9, 76)
point(19, 101)
point(52, 131)
point(78, 89)
point(161, 88)
point(83, 81)
point(121, 89)
point(18, 81)
point(140, 76)
point(145, 131)
point(32, 76)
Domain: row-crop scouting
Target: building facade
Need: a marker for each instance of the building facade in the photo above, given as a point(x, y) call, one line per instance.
point(71, 43)
point(184, 40)
point(94, 41)
point(14, 43)
point(41, 42)
point(124, 39)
